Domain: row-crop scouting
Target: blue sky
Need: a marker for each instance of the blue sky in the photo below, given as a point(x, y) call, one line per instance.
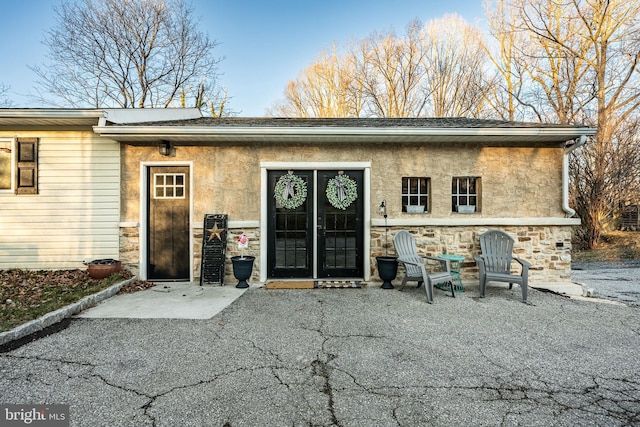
point(264, 43)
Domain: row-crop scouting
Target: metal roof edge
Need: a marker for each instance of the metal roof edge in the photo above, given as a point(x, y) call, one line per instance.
point(49, 113)
point(137, 115)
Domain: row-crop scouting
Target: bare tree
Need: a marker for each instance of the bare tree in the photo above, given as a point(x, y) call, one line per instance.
point(455, 63)
point(389, 73)
point(420, 73)
point(126, 53)
point(506, 89)
point(602, 187)
point(583, 64)
point(323, 89)
point(5, 101)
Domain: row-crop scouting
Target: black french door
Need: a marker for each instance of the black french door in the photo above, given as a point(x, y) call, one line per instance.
point(315, 239)
point(290, 232)
point(340, 231)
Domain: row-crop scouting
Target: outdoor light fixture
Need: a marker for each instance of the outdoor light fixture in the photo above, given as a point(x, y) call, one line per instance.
point(165, 148)
point(382, 210)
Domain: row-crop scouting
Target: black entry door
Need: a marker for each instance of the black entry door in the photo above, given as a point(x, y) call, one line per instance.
point(290, 229)
point(329, 245)
point(340, 229)
point(168, 223)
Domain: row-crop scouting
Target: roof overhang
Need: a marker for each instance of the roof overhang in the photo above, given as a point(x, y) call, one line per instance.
point(20, 118)
point(42, 117)
point(194, 135)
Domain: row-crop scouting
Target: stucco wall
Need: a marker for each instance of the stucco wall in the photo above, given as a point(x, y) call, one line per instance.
point(516, 183)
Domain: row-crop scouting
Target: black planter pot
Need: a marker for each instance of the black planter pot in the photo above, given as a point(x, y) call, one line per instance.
point(387, 269)
point(242, 268)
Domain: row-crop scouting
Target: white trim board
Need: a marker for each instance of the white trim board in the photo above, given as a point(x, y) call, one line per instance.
point(471, 221)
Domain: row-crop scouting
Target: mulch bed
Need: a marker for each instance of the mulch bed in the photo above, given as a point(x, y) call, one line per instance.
point(27, 294)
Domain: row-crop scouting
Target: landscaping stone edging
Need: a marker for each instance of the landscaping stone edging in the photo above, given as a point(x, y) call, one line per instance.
point(49, 319)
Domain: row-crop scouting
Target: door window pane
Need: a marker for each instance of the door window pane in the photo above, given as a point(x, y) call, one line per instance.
point(169, 186)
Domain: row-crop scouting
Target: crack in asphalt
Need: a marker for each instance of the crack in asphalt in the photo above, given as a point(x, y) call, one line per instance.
point(321, 367)
point(615, 398)
point(588, 396)
point(92, 374)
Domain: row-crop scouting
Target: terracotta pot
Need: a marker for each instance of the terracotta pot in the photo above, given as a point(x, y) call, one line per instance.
point(101, 268)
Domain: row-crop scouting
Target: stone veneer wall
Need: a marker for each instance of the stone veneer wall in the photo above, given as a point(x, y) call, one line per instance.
point(130, 249)
point(232, 250)
point(547, 248)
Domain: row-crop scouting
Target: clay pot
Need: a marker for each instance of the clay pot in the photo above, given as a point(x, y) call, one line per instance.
point(101, 268)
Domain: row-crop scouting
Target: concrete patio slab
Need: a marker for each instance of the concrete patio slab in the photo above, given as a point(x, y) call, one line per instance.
point(167, 301)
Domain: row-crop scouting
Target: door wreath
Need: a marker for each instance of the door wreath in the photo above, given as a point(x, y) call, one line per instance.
point(341, 191)
point(290, 191)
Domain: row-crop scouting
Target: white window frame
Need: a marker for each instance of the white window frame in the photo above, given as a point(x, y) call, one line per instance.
point(165, 186)
point(419, 194)
point(12, 166)
point(457, 194)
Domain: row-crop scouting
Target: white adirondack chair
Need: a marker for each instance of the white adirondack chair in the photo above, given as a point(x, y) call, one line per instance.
point(414, 264)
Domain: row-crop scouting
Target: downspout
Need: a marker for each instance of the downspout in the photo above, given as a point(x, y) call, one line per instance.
point(565, 175)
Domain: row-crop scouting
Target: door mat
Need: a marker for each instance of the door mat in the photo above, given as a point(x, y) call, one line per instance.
point(338, 284)
point(291, 284)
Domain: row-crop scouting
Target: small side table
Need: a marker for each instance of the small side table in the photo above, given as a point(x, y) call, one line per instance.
point(456, 262)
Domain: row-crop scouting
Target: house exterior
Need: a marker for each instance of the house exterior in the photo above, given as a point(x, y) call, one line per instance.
point(60, 186)
point(136, 185)
point(307, 192)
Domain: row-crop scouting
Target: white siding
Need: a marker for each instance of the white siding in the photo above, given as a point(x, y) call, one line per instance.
point(76, 212)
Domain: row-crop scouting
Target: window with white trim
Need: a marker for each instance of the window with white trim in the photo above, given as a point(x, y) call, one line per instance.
point(465, 194)
point(415, 194)
point(169, 185)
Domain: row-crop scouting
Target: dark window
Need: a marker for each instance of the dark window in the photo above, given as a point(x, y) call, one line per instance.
point(415, 194)
point(465, 194)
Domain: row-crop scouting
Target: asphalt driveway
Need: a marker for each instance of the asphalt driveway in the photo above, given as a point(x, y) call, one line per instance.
point(616, 281)
point(350, 357)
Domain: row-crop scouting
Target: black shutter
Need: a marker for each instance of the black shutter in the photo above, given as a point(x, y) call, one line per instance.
point(27, 166)
point(214, 248)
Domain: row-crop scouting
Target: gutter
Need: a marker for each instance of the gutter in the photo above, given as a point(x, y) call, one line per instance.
point(224, 131)
point(565, 175)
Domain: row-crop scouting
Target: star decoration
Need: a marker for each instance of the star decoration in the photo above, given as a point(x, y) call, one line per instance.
point(215, 232)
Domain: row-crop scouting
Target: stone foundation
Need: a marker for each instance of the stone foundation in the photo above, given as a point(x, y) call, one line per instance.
point(232, 250)
point(547, 248)
point(130, 249)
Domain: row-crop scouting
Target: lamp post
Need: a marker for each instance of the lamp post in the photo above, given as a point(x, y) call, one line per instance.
point(387, 265)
